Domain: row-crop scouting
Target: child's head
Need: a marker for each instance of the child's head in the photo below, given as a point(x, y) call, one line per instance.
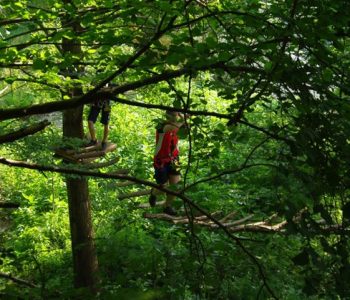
point(171, 115)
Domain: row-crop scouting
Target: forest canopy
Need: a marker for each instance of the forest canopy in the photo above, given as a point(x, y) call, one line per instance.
point(263, 204)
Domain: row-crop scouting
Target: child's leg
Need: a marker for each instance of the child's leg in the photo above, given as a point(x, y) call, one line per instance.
point(173, 180)
point(161, 176)
point(157, 192)
point(105, 116)
point(92, 131)
point(105, 133)
point(92, 117)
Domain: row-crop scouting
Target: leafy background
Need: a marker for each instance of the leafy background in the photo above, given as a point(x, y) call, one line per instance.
point(295, 90)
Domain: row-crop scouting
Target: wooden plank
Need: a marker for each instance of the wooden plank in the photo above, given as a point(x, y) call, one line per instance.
point(85, 155)
point(88, 160)
point(84, 149)
point(100, 165)
point(91, 154)
point(63, 154)
point(98, 152)
point(134, 194)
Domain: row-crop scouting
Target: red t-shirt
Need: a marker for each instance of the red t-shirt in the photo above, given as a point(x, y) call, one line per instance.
point(166, 146)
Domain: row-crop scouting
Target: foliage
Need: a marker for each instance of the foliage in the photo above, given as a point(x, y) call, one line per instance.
point(276, 76)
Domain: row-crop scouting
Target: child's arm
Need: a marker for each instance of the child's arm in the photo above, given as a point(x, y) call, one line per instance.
point(176, 125)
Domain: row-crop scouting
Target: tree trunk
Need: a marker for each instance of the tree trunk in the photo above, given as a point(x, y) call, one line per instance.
point(85, 264)
point(83, 248)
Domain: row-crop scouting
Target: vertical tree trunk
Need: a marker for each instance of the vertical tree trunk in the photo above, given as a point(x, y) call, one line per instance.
point(85, 263)
point(83, 249)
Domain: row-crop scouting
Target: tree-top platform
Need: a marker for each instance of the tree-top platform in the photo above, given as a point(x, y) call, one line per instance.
point(85, 154)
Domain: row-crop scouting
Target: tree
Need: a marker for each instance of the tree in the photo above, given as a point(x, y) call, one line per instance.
point(285, 62)
point(83, 249)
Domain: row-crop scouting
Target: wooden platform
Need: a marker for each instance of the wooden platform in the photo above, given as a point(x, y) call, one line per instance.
point(85, 154)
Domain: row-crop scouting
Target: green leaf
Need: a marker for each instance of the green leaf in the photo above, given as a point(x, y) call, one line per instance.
point(39, 64)
point(224, 56)
point(19, 4)
point(327, 74)
point(177, 103)
point(196, 121)
point(174, 58)
point(215, 152)
point(268, 66)
point(10, 80)
point(211, 42)
point(182, 132)
point(91, 51)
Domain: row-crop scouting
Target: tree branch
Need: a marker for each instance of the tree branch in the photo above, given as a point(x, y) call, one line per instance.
point(18, 280)
point(31, 80)
point(184, 198)
point(268, 133)
point(131, 59)
point(171, 108)
point(227, 172)
point(14, 21)
point(109, 93)
point(23, 132)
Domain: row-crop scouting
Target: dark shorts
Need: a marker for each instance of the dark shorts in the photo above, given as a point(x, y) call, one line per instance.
point(161, 175)
point(95, 110)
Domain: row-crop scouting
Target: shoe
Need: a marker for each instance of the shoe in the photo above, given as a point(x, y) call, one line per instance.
point(104, 146)
point(152, 200)
point(91, 143)
point(169, 211)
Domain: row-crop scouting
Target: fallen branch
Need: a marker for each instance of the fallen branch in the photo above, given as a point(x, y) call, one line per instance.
point(229, 216)
point(23, 132)
point(201, 220)
point(240, 221)
point(163, 216)
point(235, 226)
point(259, 227)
